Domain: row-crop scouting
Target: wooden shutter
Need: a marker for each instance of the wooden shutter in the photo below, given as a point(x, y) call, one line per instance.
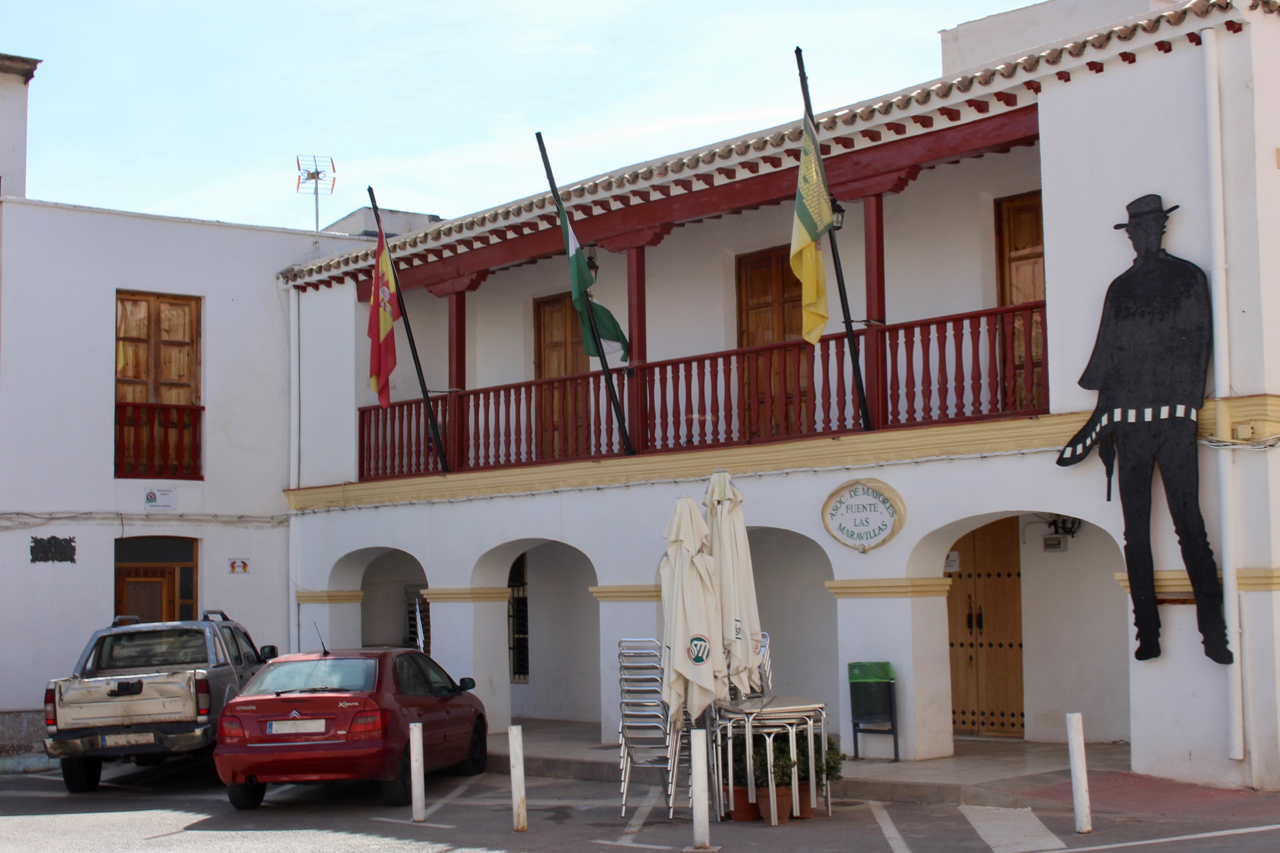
point(768, 298)
point(557, 337)
point(157, 349)
point(1020, 243)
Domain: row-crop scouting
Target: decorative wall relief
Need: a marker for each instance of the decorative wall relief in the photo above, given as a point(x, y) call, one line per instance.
point(53, 549)
point(1149, 366)
point(863, 514)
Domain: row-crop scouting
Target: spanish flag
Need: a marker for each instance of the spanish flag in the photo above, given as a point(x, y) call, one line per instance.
point(384, 310)
point(813, 219)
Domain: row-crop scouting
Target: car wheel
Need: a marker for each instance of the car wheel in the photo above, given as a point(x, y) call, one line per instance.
point(246, 796)
point(399, 792)
point(81, 775)
point(477, 753)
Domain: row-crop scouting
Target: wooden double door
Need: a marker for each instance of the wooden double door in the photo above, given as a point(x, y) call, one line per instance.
point(984, 614)
point(777, 380)
point(1020, 241)
point(563, 408)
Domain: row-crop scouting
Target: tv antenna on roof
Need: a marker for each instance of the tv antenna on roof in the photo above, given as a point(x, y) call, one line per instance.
point(315, 175)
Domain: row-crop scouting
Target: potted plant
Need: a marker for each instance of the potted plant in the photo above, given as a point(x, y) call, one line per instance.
point(782, 764)
point(743, 808)
point(829, 769)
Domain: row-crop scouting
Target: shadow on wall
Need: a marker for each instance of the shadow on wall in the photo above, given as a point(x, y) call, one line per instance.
point(798, 612)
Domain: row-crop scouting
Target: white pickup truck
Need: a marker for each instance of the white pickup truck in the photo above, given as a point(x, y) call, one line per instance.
point(144, 692)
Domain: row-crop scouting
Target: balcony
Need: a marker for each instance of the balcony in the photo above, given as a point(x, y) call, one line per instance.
point(158, 440)
point(944, 370)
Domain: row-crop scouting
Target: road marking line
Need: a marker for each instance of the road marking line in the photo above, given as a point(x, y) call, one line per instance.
point(452, 795)
point(637, 823)
point(633, 844)
point(411, 823)
point(1222, 833)
point(891, 834)
point(1011, 830)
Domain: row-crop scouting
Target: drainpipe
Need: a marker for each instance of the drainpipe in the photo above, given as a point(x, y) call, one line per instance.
point(295, 434)
point(1222, 390)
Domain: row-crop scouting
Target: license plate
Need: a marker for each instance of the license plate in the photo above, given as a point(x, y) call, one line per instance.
point(131, 739)
point(295, 727)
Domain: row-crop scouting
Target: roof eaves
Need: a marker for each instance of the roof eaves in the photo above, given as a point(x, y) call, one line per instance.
point(634, 184)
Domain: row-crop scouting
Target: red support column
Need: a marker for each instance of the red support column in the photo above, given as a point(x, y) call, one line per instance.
point(873, 225)
point(638, 335)
point(455, 417)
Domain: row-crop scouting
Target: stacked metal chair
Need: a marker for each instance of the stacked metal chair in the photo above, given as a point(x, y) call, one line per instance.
point(645, 733)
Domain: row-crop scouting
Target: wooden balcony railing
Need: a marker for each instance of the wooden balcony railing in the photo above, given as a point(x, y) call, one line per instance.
point(158, 440)
point(983, 364)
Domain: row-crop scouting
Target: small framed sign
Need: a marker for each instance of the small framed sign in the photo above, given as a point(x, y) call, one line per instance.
point(863, 514)
point(239, 565)
point(159, 499)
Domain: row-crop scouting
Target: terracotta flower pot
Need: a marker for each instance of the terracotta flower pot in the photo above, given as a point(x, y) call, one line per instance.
point(806, 810)
point(742, 808)
point(784, 804)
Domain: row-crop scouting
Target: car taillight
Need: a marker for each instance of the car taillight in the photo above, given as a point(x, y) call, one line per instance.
point(50, 712)
point(202, 697)
point(367, 725)
point(230, 730)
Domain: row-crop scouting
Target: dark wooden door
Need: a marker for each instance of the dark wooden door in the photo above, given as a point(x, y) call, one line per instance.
point(148, 592)
point(769, 312)
point(1020, 243)
point(562, 406)
point(984, 612)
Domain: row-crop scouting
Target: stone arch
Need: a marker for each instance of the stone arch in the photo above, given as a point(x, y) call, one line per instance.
point(798, 612)
point(1074, 623)
point(564, 633)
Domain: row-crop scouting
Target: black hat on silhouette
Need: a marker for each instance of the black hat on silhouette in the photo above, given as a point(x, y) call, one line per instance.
point(1148, 205)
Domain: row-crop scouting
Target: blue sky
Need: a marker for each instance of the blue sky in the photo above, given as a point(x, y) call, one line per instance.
point(199, 109)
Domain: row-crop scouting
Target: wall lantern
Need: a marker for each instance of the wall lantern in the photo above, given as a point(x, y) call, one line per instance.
point(837, 214)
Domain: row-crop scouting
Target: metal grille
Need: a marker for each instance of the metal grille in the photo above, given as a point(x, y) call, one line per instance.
point(518, 622)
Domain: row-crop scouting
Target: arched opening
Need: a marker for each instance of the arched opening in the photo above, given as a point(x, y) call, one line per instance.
point(389, 607)
point(798, 612)
point(549, 631)
point(1057, 604)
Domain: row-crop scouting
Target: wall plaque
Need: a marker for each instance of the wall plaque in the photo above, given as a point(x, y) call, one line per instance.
point(863, 514)
point(53, 549)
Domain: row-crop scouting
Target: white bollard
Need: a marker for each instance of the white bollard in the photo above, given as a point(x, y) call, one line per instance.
point(415, 773)
point(519, 809)
point(1079, 773)
point(698, 781)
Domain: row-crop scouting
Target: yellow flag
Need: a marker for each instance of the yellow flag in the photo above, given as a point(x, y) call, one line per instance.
point(812, 220)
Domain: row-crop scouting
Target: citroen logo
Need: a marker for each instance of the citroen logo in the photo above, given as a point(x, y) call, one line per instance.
point(293, 715)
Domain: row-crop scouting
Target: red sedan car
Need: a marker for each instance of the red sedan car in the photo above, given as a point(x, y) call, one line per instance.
point(319, 717)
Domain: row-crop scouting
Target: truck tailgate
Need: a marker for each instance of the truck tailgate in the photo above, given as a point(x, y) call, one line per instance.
point(126, 700)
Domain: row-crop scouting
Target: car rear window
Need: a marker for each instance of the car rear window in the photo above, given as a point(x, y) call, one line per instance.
point(325, 675)
point(149, 649)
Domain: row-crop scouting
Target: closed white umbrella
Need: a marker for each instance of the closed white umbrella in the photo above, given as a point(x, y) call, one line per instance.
point(736, 582)
point(693, 652)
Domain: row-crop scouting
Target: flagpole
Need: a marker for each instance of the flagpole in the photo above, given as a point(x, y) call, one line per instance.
point(591, 321)
point(863, 410)
point(432, 427)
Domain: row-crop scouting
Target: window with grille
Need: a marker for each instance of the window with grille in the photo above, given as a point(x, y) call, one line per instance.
point(518, 621)
point(412, 599)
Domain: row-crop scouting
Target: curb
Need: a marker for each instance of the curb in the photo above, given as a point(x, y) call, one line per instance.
point(29, 763)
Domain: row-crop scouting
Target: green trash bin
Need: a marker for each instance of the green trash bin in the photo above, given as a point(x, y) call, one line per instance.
point(872, 700)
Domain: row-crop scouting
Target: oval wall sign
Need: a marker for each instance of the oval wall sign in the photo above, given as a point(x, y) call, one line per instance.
point(863, 514)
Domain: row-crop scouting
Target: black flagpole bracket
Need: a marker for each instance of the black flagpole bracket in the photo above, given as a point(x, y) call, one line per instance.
point(432, 426)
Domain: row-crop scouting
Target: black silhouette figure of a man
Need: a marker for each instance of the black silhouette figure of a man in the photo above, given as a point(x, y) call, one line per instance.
point(1149, 367)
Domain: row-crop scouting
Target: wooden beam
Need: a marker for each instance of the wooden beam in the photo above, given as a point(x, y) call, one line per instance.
point(1015, 127)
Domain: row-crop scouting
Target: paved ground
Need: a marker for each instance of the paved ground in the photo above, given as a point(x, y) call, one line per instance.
point(180, 806)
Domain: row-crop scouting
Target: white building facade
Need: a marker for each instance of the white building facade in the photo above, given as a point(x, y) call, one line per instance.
point(978, 242)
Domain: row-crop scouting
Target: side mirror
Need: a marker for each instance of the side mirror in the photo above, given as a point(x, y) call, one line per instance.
point(268, 652)
point(467, 684)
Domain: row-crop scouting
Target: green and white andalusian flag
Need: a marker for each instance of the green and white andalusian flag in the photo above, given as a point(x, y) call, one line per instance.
point(813, 219)
point(611, 337)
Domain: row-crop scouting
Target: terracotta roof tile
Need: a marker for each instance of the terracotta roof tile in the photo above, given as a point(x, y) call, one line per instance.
point(703, 164)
